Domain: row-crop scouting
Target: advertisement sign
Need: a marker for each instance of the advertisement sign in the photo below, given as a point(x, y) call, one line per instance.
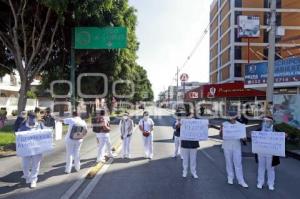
point(248, 26)
point(234, 131)
point(269, 143)
point(34, 142)
point(194, 129)
point(286, 109)
point(286, 73)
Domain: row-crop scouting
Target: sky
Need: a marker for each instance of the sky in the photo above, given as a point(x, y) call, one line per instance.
point(168, 31)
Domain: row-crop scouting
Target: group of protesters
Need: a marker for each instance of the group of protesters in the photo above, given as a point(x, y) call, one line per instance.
point(232, 153)
point(187, 149)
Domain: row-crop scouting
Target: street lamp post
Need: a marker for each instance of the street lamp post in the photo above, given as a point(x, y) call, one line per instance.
point(271, 58)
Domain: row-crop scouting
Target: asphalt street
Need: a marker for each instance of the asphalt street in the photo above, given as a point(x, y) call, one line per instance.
point(142, 178)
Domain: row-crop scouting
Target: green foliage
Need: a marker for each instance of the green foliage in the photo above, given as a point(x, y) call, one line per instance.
point(31, 94)
point(292, 132)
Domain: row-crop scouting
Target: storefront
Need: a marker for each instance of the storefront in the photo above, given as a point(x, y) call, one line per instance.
point(219, 98)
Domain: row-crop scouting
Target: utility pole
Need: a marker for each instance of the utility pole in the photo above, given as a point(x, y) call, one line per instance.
point(177, 77)
point(271, 58)
point(72, 70)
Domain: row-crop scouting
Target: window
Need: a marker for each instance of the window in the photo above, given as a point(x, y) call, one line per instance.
point(238, 3)
point(237, 52)
point(236, 38)
point(237, 70)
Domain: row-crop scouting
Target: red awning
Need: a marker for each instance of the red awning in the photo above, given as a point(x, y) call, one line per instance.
point(211, 91)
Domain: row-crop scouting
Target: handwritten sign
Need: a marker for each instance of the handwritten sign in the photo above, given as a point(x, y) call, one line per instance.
point(58, 130)
point(269, 143)
point(34, 142)
point(234, 131)
point(194, 129)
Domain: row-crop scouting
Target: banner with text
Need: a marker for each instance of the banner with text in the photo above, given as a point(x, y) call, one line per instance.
point(234, 131)
point(270, 143)
point(194, 129)
point(34, 142)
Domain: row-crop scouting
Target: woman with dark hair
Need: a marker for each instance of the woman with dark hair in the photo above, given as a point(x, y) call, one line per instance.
point(146, 126)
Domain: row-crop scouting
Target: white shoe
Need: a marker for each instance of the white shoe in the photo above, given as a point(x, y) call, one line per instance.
point(195, 176)
point(230, 181)
point(184, 174)
point(243, 184)
point(33, 185)
point(271, 188)
point(259, 186)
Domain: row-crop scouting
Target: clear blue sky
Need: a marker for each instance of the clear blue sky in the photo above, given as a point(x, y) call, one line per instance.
point(168, 31)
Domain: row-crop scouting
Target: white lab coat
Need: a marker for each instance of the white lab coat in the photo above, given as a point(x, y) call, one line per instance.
point(126, 129)
point(147, 125)
point(73, 146)
point(233, 158)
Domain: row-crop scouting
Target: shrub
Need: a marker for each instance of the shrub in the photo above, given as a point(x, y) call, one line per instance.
point(292, 132)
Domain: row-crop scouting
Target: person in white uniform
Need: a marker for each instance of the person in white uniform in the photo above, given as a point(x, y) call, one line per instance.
point(31, 164)
point(126, 129)
point(189, 153)
point(177, 141)
point(233, 156)
point(73, 145)
point(267, 162)
point(103, 136)
point(146, 126)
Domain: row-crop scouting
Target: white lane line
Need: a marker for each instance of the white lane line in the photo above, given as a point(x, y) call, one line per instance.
point(207, 155)
point(91, 186)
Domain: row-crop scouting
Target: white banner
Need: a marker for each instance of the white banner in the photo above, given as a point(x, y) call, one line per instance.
point(58, 130)
point(269, 143)
point(34, 142)
point(234, 131)
point(194, 129)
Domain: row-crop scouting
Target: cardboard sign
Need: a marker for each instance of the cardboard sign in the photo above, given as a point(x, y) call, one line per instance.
point(234, 131)
point(269, 143)
point(34, 142)
point(194, 129)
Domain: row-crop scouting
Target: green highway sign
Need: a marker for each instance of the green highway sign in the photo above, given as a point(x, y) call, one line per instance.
point(100, 38)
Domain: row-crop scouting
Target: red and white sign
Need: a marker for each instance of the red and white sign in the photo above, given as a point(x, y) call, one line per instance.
point(184, 77)
point(194, 95)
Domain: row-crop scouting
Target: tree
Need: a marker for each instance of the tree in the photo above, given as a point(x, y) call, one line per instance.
point(27, 34)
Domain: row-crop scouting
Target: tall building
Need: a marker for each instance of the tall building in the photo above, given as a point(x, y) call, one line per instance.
point(229, 53)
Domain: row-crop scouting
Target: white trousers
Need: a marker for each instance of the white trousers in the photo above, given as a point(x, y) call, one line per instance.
point(104, 142)
point(177, 145)
point(31, 167)
point(148, 145)
point(189, 154)
point(265, 164)
point(73, 153)
point(126, 146)
point(233, 160)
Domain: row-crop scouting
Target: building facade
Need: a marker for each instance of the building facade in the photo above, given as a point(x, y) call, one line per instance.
point(229, 54)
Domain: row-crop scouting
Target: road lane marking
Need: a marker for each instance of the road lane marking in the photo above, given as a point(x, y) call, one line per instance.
point(207, 155)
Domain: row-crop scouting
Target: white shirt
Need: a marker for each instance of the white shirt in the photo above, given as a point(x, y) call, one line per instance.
point(71, 122)
point(231, 144)
point(148, 124)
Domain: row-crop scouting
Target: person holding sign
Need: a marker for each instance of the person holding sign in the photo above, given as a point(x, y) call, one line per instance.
point(266, 162)
point(31, 164)
point(102, 128)
point(176, 128)
point(231, 133)
point(146, 125)
point(126, 128)
point(189, 152)
point(76, 131)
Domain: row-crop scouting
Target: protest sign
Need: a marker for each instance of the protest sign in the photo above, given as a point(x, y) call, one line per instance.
point(234, 131)
point(269, 143)
point(58, 130)
point(194, 129)
point(34, 142)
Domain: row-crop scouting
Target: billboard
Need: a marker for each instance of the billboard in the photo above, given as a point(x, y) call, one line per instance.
point(287, 109)
point(286, 73)
point(248, 26)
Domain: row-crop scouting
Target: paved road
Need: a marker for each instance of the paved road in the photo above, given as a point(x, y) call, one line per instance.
point(143, 179)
